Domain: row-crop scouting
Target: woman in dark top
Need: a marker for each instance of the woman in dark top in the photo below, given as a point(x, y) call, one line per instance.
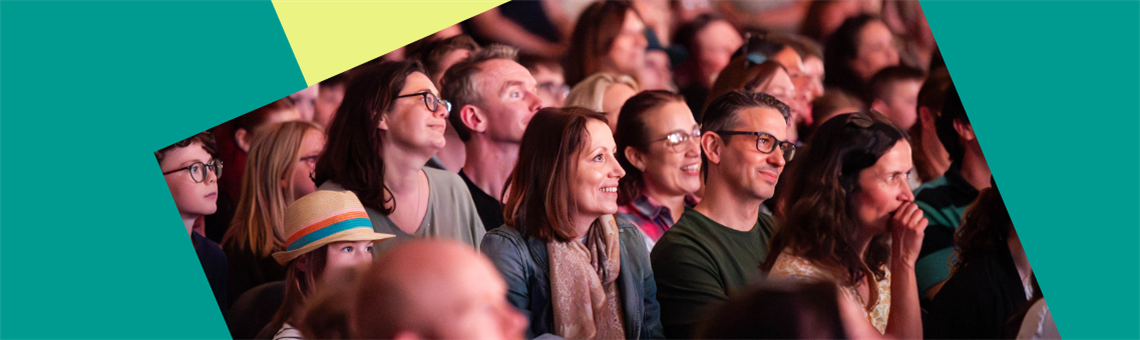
point(991, 278)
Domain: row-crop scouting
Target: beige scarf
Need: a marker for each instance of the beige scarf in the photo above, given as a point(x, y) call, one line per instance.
point(583, 284)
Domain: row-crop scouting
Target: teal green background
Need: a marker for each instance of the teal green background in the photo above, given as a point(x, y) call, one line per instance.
point(91, 245)
point(1052, 91)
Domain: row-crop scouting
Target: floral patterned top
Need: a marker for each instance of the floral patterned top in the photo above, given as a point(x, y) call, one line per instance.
point(791, 267)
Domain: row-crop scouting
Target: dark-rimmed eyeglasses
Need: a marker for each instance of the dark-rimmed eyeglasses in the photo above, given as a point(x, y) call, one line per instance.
point(198, 170)
point(430, 100)
point(767, 143)
point(676, 139)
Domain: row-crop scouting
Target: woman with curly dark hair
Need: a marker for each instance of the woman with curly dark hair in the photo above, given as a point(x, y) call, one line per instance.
point(851, 220)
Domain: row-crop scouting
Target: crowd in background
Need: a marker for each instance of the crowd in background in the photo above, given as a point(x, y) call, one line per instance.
point(617, 169)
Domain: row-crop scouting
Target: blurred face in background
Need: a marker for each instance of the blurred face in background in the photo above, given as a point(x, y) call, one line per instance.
point(876, 50)
point(627, 53)
point(551, 86)
point(715, 45)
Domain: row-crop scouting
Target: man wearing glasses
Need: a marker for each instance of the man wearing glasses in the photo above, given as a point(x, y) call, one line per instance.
point(718, 245)
point(494, 100)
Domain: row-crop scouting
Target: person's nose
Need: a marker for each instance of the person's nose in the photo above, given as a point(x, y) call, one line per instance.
point(615, 168)
point(776, 158)
point(534, 101)
point(694, 145)
point(905, 194)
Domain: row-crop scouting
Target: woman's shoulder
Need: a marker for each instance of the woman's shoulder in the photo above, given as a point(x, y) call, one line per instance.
point(793, 267)
point(443, 177)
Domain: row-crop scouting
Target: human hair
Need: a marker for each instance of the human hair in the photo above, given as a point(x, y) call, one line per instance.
point(818, 224)
point(952, 110)
point(250, 121)
point(259, 219)
point(883, 81)
point(724, 111)
point(842, 48)
point(328, 312)
point(686, 36)
point(539, 195)
point(776, 310)
point(985, 229)
point(812, 24)
point(590, 92)
point(804, 46)
point(740, 74)
point(432, 53)
point(632, 132)
point(532, 62)
point(353, 157)
point(460, 83)
point(205, 137)
point(592, 38)
point(299, 286)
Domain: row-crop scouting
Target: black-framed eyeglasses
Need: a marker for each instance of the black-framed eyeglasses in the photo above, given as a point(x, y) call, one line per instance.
point(767, 143)
point(198, 170)
point(676, 139)
point(430, 100)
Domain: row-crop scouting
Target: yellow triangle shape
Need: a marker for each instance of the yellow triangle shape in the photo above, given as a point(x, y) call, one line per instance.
point(329, 37)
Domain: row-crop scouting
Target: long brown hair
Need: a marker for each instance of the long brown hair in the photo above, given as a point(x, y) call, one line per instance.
point(259, 220)
point(352, 157)
point(633, 133)
point(593, 36)
point(299, 286)
point(740, 75)
point(985, 229)
point(540, 197)
point(818, 224)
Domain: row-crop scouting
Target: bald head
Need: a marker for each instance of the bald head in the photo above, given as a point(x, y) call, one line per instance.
point(434, 289)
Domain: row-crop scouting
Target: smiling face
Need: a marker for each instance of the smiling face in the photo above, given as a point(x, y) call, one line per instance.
point(409, 124)
point(748, 171)
point(672, 171)
point(627, 53)
point(508, 98)
point(596, 174)
point(312, 144)
point(882, 189)
point(192, 199)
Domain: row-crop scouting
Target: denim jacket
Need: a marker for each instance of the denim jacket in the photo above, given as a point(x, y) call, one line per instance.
point(524, 264)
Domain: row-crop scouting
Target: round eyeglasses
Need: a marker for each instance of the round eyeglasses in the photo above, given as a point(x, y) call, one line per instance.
point(767, 143)
point(430, 100)
point(677, 141)
point(198, 170)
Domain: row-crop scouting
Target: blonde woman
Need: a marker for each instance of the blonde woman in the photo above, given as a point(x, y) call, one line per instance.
point(281, 160)
point(605, 93)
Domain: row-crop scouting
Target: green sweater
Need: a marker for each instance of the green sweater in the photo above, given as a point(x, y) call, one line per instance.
point(698, 262)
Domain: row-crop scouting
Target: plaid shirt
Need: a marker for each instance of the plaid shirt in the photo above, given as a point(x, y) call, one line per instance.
point(653, 219)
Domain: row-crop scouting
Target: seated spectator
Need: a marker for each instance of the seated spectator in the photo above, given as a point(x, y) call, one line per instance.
point(437, 57)
point(991, 278)
point(809, 87)
point(604, 92)
point(824, 17)
point(657, 141)
point(930, 158)
point(547, 73)
point(430, 289)
point(328, 232)
point(716, 245)
point(494, 100)
point(281, 161)
point(850, 221)
point(944, 199)
point(785, 310)
point(711, 42)
point(893, 91)
point(304, 101)
point(608, 37)
point(834, 103)
point(329, 95)
point(567, 263)
point(390, 123)
point(857, 50)
point(192, 171)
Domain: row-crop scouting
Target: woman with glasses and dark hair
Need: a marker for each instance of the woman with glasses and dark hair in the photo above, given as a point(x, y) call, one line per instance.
point(277, 172)
point(657, 141)
point(389, 125)
point(851, 220)
point(567, 262)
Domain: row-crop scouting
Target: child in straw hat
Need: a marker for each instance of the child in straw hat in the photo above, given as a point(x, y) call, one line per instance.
point(328, 233)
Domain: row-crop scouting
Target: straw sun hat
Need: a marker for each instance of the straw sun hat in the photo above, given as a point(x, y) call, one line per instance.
point(324, 217)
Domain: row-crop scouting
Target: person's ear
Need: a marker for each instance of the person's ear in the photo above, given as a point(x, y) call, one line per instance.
point(635, 158)
point(881, 106)
point(474, 118)
point(925, 117)
point(711, 145)
point(383, 125)
point(242, 139)
point(965, 130)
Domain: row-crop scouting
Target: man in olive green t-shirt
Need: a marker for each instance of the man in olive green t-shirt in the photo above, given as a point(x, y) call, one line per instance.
point(717, 245)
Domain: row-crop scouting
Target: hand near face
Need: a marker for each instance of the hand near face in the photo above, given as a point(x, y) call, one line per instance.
point(907, 230)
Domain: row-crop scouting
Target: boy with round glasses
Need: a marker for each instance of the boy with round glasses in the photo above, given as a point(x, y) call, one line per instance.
point(191, 173)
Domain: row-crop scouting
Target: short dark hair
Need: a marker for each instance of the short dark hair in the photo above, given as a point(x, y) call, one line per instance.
point(723, 113)
point(206, 138)
point(776, 310)
point(952, 110)
point(433, 52)
point(881, 83)
point(460, 85)
point(804, 46)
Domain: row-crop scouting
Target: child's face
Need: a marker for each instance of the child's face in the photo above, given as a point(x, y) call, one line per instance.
point(193, 199)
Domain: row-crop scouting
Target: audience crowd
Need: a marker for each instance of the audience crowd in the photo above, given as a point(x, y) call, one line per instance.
point(617, 169)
